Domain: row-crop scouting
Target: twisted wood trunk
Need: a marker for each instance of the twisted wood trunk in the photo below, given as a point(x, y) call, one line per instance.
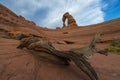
point(76, 55)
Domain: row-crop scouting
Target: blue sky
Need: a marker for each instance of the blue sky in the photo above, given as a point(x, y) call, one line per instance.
point(48, 13)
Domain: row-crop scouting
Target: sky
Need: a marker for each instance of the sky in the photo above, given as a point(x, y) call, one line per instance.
point(48, 13)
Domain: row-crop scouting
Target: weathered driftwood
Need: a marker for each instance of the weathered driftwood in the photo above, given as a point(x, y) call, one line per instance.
point(90, 49)
point(76, 55)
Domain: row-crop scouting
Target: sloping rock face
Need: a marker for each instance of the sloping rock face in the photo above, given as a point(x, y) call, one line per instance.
point(9, 21)
point(10, 18)
point(16, 64)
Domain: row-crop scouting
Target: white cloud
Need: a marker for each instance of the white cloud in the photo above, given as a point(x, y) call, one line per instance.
point(85, 12)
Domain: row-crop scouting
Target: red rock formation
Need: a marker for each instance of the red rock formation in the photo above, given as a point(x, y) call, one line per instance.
point(9, 21)
point(8, 17)
point(71, 21)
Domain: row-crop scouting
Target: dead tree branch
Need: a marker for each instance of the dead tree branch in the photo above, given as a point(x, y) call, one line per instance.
point(76, 55)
